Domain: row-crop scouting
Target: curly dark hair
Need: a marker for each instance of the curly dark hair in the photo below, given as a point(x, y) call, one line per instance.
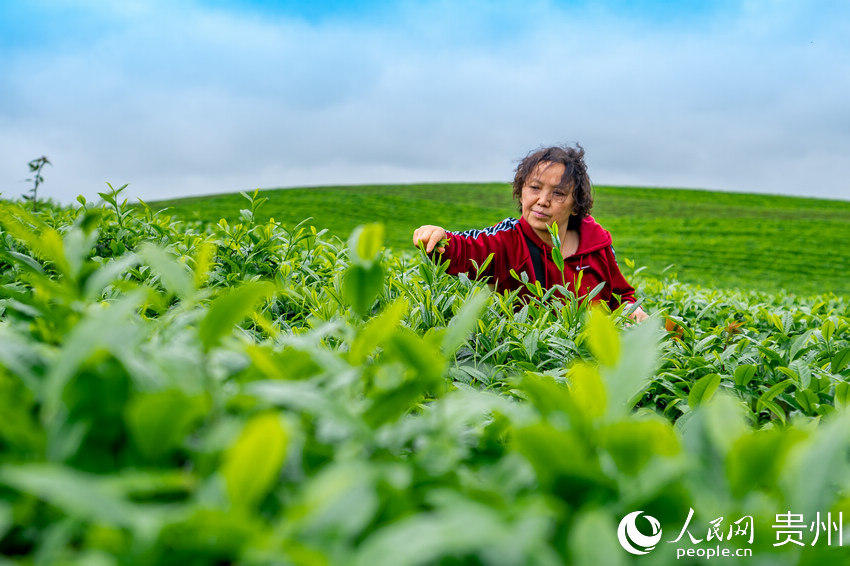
point(575, 177)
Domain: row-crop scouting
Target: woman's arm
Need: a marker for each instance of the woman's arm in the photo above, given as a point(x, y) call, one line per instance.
point(466, 251)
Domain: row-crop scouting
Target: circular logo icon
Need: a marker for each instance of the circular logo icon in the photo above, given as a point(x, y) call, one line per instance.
point(635, 541)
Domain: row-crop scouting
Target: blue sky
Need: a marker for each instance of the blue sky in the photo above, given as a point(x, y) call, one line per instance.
point(205, 96)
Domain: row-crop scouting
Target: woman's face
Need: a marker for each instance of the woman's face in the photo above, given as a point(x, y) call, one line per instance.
point(544, 202)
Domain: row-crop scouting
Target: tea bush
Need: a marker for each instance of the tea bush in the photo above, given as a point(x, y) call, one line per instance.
point(710, 238)
point(255, 393)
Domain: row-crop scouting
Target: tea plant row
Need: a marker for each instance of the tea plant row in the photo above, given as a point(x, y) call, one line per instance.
point(712, 239)
point(255, 393)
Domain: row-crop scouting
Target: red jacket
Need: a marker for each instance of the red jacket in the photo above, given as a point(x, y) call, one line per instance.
point(508, 241)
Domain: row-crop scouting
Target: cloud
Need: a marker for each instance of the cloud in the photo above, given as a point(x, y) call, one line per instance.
point(198, 98)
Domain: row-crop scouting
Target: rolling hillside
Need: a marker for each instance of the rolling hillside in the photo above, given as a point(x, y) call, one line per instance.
point(713, 239)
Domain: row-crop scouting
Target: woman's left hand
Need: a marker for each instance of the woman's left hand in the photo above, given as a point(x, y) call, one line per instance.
point(639, 315)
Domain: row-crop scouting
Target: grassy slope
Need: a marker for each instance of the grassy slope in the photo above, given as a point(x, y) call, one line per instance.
point(713, 239)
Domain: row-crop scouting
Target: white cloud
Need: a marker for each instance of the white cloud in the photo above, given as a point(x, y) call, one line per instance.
point(180, 100)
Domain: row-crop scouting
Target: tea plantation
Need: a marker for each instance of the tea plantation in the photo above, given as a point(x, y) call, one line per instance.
point(255, 391)
point(711, 239)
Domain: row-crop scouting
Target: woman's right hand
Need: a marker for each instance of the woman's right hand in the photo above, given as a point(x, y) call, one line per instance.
point(430, 236)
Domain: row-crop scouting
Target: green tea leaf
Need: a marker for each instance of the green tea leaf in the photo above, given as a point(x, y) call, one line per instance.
point(365, 243)
point(107, 274)
point(530, 342)
point(816, 464)
point(799, 345)
point(77, 246)
point(77, 494)
point(703, 389)
point(554, 233)
point(558, 259)
point(210, 536)
point(828, 329)
point(547, 395)
point(361, 285)
point(770, 356)
point(377, 331)
point(840, 360)
point(593, 540)
point(744, 374)
point(711, 429)
point(559, 457)
point(44, 241)
point(602, 337)
point(159, 421)
point(425, 369)
point(460, 527)
point(6, 519)
point(204, 256)
point(175, 277)
point(418, 355)
point(464, 322)
point(111, 328)
point(480, 270)
point(289, 363)
point(842, 394)
point(340, 501)
point(22, 357)
point(775, 390)
point(632, 443)
point(757, 458)
point(789, 373)
point(803, 370)
point(253, 463)
point(807, 399)
point(588, 390)
point(636, 367)
point(229, 309)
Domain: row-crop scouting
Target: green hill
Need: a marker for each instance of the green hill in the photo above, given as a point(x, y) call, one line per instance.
point(713, 239)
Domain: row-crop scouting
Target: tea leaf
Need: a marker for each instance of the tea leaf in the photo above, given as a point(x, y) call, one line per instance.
point(703, 389)
point(229, 309)
point(744, 374)
point(840, 360)
point(365, 243)
point(203, 263)
point(463, 323)
point(593, 540)
point(602, 338)
point(767, 396)
point(159, 421)
point(757, 458)
point(107, 274)
point(588, 390)
point(828, 329)
point(174, 276)
point(630, 377)
point(817, 463)
point(842, 394)
point(341, 500)
point(76, 494)
point(632, 443)
point(252, 464)
point(361, 286)
point(377, 331)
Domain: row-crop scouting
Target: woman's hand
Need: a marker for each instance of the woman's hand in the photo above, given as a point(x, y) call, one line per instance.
point(639, 315)
point(430, 236)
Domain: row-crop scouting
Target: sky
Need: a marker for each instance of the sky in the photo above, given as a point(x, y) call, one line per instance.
point(186, 97)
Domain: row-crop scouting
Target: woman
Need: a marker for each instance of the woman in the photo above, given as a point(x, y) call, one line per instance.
point(550, 186)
